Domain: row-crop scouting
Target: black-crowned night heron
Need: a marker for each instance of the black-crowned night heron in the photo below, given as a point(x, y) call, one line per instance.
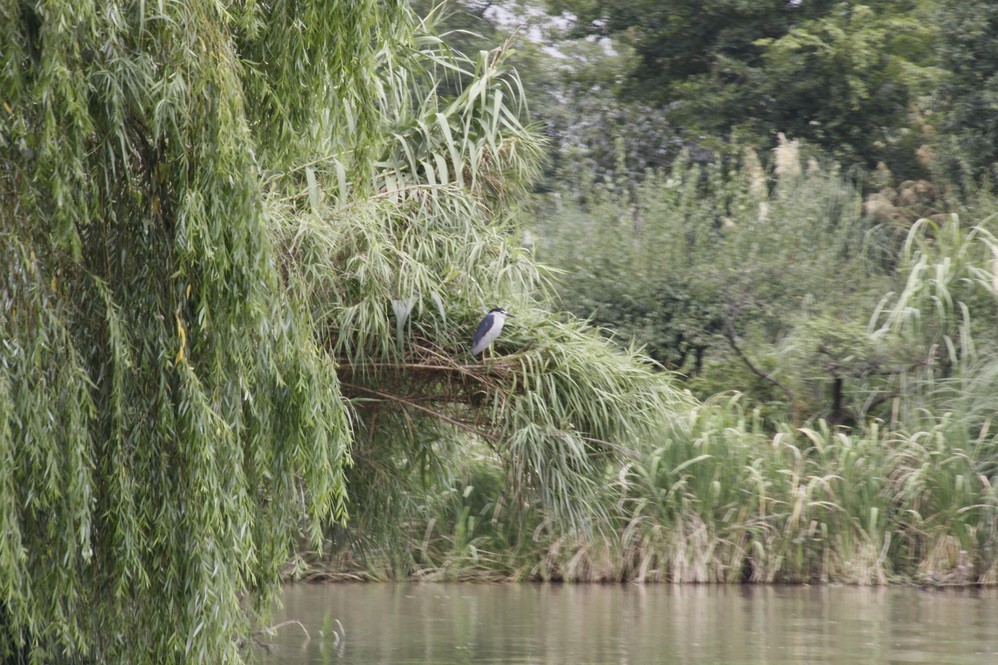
point(488, 330)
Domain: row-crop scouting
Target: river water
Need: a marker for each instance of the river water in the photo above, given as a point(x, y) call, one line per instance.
point(442, 624)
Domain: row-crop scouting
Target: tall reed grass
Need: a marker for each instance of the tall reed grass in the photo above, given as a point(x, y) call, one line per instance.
point(720, 499)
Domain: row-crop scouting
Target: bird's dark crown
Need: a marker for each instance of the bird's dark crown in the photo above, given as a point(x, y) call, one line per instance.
point(498, 309)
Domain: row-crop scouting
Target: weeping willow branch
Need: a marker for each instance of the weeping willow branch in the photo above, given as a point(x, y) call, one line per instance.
point(168, 420)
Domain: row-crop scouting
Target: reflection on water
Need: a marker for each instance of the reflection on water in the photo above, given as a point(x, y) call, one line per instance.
point(632, 625)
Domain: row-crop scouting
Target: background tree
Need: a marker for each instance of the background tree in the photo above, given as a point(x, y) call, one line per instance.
point(851, 83)
point(713, 269)
point(843, 77)
point(683, 40)
point(968, 50)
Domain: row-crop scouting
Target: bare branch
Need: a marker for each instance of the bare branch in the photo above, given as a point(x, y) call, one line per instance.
point(425, 409)
point(730, 336)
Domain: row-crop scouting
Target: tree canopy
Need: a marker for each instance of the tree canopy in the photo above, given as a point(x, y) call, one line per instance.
point(855, 79)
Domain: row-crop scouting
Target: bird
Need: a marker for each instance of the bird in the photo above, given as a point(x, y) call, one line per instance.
point(488, 330)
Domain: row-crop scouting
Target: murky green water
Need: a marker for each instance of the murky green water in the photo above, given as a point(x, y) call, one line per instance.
point(633, 625)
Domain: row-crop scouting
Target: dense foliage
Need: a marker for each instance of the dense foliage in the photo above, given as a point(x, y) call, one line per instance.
point(968, 52)
point(395, 282)
point(836, 322)
point(847, 369)
point(893, 82)
point(161, 403)
point(246, 245)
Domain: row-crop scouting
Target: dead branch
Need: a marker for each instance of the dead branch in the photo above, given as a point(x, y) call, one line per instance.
point(425, 409)
point(730, 336)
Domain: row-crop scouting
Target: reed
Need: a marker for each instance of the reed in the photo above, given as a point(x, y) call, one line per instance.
point(722, 500)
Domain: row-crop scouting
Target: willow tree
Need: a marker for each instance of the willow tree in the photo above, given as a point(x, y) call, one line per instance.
point(161, 403)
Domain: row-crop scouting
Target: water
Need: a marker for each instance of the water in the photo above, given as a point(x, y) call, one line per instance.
point(442, 624)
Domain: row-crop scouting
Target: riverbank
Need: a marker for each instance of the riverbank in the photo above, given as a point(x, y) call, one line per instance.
point(715, 500)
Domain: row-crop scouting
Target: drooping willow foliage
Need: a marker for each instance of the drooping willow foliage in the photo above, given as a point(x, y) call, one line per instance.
point(162, 405)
